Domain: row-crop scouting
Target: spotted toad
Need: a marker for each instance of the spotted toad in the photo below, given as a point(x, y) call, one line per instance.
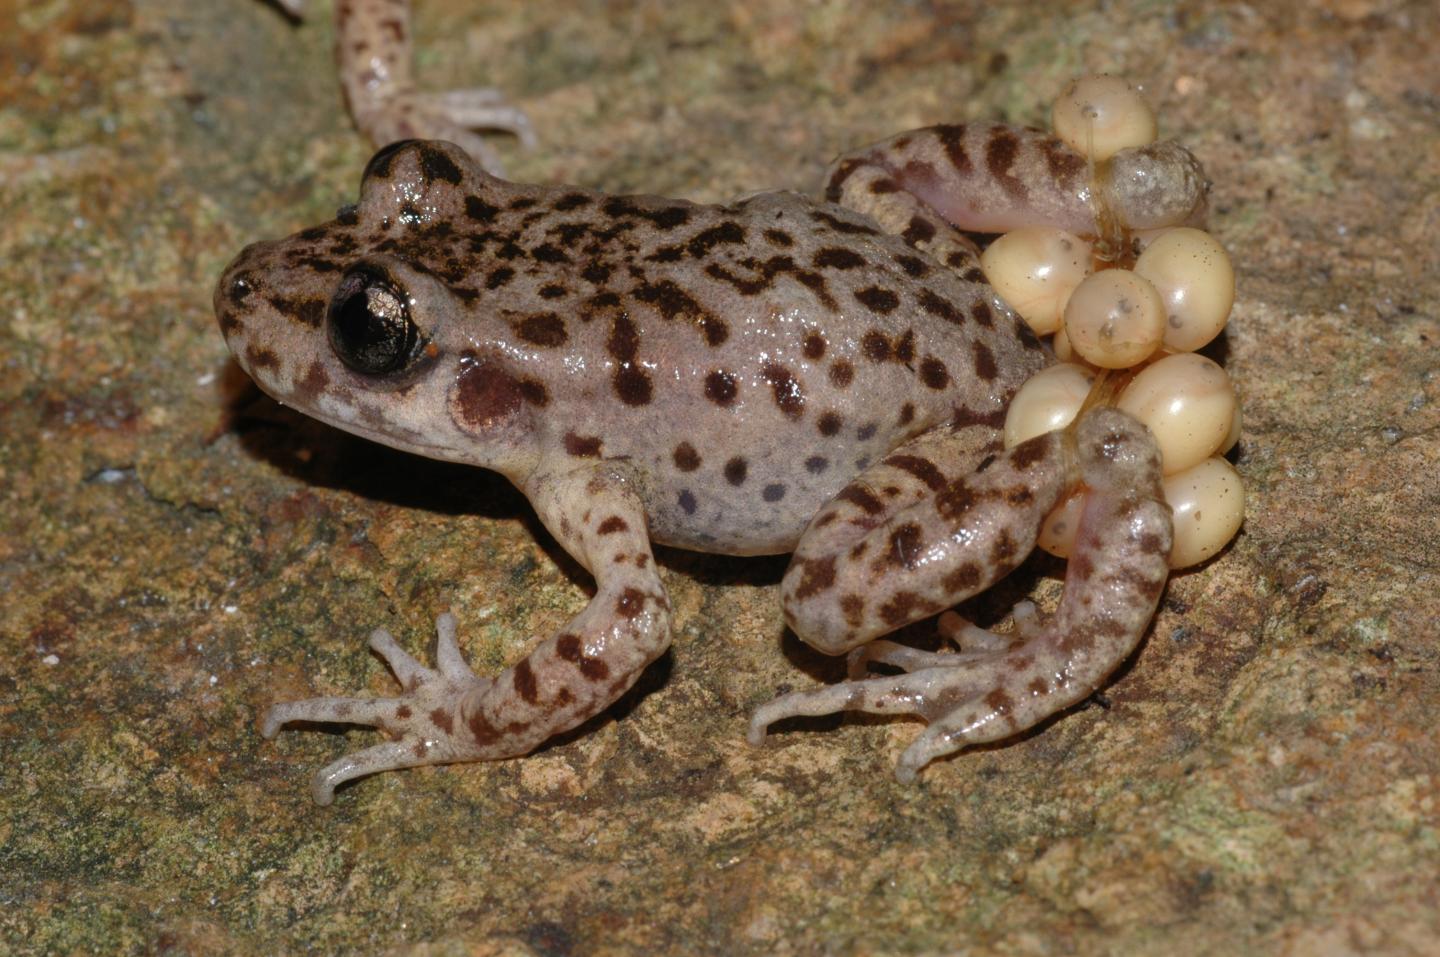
point(773, 375)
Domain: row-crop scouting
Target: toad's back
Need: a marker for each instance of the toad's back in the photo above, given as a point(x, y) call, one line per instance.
point(747, 360)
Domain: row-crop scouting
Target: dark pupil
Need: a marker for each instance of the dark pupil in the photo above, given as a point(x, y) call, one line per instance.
point(370, 329)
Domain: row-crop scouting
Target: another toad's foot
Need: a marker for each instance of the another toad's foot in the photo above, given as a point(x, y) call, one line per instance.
point(455, 116)
point(421, 720)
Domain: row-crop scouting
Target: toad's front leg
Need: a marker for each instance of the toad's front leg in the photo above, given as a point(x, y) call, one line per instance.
point(450, 715)
point(1112, 585)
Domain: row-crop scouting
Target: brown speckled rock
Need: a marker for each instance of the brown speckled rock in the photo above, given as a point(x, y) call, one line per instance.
point(176, 552)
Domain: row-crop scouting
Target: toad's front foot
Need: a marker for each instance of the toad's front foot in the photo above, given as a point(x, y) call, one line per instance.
point(424, 721)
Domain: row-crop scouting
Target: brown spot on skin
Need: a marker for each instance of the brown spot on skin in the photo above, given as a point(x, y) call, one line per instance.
point(583, 446)
point(686, 458)
point(844, 171)
point(919, 230)
point(914, 266)
point(1064, 165)
point(985, 367)
point(1004, 550)
point(861, 547)
point(642, 560)
point(1019, 496)
point(1000, 152)
point(905, 348)
point(861, 498)
point(906, 544)
point(955, 501)
point(773, 492)
point(907, 414)
point(964, 580)
point(524, 681)
point(736, 470)
point(687, 502)
point(632, 385)
point(900, 609)
point(1080, 567)
point(594, 669)
point(630, 603)
point(443, 720)
point(933, 373)
point(875, 346)
point(985, 316)
point(1151, 544)
point(315, 381)
point(1038, 687)
point(624, 340)
point(402, 713)
point(778, 237)
point(612, 525)
point(876, 299)
point(867, 431)
point(922, 468)
point(817, 576)
point(842, 373)
point(1000, 702)
point(720, 388)
point(1027, 453)
point(816, 464)
point(570, 202)
point(479, 210)
point(838, 257)
point(842, 225)
point(788, 395)
point(728, 233)
point(675, 303)
point(568, 648)
point(484, 394)
point(853, 607)
point(942, 308)
point(830, 423)
point(499, 277)
point(534, 392)
point(545, 329)
point(952, 138)
point(814, 345)
point(260, 358)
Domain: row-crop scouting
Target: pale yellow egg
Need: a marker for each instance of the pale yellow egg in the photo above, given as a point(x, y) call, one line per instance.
point(1047, 401)
point(1192, 273)
point(1100, 115)
point(1034, 269)
point(1187, 402)
point(1115, 319)
point(1208, 501)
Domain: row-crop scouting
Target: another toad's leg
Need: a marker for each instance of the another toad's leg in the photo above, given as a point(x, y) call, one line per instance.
point(1112, 585)
point(451, 715)
point(373, 51)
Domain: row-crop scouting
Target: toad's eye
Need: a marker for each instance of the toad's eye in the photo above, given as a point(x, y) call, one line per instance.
point(370, 326)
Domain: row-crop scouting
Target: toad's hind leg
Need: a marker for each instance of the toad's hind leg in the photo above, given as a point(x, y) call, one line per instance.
point(1112, 585)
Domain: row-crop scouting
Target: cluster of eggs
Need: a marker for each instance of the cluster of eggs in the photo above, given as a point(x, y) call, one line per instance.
point(1138, 305)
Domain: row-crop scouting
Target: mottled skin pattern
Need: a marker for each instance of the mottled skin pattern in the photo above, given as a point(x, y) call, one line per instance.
point(372, 50)
point(772, 375)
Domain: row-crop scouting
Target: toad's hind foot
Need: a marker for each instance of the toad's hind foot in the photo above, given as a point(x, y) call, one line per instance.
point(966, 698)
point(422, 720)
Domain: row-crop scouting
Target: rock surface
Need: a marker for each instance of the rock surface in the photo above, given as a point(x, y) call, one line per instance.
point(177, 551)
